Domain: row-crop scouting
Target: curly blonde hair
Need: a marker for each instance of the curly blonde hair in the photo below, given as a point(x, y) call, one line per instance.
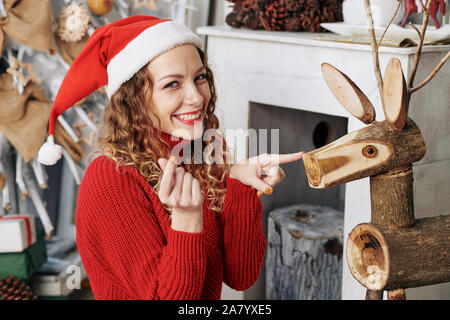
point(132, 139)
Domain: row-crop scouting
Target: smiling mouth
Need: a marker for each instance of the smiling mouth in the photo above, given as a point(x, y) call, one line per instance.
point(189, 117)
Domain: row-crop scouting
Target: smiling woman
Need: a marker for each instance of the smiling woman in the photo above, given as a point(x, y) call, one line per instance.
point(149, 228)
point(180, 103)
point(148, 225)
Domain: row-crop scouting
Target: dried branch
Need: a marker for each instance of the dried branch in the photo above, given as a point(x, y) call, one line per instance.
point(422, 6)
point(432, 74)
point(390, 22)
point(426, 15)
point(415, 28)
point(373, 43)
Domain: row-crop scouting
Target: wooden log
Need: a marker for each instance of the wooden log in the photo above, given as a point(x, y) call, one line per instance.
point(397, 294)
point(369, 151)
point(374, 295)
point(391, 197)
point(304, 253)
point(384, 259)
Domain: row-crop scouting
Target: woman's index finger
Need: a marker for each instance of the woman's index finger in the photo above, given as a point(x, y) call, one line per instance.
point(285, 158)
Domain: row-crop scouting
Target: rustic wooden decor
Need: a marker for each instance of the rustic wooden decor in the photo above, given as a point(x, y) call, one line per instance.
point(304, 253)
point(348, 94)
point(394, 251)
point(395, 95)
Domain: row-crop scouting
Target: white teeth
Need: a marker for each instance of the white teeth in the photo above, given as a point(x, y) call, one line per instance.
point(189, 117)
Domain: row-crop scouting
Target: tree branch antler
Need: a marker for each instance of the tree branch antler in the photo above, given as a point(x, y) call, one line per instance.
point(390, 22)
point(373, 43)
point(432, 74)
point(426, 15)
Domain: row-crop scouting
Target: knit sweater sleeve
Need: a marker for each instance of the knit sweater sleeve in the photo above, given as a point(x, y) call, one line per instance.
point(244, 239)
point(120, 238)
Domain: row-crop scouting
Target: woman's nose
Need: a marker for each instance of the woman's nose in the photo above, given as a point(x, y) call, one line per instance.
point(193, 95)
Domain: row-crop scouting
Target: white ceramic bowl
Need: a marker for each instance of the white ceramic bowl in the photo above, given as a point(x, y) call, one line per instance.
point(382, 12)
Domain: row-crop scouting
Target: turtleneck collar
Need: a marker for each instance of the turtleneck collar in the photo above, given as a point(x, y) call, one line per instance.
point(172, 140)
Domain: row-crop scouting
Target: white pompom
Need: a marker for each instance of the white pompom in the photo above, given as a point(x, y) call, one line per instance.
point(49, 153)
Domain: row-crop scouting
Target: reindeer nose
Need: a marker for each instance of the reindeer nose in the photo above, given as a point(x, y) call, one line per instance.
point(313, 171)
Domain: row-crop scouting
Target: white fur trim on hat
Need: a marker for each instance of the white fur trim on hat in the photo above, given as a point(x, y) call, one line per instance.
point(147, 45)
point(49, 153)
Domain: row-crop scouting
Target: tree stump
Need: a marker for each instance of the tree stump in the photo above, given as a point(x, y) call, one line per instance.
point(304, 253)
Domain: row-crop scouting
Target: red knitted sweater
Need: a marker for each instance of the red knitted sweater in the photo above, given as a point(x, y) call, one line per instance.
point(129, 250)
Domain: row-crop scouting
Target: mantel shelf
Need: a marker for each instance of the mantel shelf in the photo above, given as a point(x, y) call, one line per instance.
point(305, 38)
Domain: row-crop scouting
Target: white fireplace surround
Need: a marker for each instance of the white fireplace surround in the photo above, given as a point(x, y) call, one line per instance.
point(283, 69)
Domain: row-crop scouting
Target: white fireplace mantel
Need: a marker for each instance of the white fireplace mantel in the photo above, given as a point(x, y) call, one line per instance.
point(283, 69)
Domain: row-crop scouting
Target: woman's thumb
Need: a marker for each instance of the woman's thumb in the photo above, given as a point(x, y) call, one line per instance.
point(162, 163)
point(260, 185)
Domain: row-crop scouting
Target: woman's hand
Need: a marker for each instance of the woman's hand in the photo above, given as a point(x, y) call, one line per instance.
point(181, 191)
point(263, 172)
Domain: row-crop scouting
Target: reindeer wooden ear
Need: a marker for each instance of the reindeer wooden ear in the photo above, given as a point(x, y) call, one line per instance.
point(348, 94)
point(395, 94)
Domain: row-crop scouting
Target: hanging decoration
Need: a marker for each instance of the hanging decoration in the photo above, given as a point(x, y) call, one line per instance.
point(28, 22)
point(100, 7)
point(150, 4)
point(15, 67)
point(73, 23)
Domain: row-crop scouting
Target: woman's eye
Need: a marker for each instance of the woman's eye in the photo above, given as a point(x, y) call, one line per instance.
point(171, 84)
point(202, 76)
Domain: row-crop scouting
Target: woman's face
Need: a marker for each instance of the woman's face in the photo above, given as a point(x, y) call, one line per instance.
point(180, 87)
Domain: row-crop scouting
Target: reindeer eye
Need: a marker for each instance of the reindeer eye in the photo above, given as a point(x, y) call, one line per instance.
point(369, 151)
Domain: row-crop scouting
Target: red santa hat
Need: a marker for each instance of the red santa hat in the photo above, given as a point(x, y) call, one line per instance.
point(113, 54)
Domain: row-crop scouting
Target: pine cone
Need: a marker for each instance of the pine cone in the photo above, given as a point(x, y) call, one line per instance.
point(293, 24)
point(295, 5)
point(313, 5)
point(272, 18)
point(15, 289)
point(231, 20)
point(251, 21)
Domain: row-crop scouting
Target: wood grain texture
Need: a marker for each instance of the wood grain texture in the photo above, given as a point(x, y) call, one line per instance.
point(384, 259)
point(347, 159)
point(395, 95)
point(348, 94)
point(304, 253)
point(392, 199)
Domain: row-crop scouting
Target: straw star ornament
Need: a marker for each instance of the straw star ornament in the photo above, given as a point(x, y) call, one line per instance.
point(150, 4)
point(15, 67)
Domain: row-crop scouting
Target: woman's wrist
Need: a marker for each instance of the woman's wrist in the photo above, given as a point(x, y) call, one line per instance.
point(187, 221)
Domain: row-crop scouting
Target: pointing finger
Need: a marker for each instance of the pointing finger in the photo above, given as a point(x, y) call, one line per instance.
point(276, 159)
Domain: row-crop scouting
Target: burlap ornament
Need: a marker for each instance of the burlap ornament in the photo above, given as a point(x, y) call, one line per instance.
point(28, 22)
point(70, 50)
point(24, 120)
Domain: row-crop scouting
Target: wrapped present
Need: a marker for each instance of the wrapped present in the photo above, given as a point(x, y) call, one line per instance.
point(24, 264)
point(17, 232)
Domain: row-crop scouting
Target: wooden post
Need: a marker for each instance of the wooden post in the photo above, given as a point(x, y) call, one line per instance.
point(391, 196)
point(304, 253)
point(381, 258)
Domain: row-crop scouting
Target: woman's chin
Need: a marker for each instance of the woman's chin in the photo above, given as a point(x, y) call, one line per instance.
point(192, 132)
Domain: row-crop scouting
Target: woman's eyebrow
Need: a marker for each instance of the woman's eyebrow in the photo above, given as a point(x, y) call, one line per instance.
point(178, 75)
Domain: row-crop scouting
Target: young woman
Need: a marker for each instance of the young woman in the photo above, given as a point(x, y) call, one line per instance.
point(152, 224)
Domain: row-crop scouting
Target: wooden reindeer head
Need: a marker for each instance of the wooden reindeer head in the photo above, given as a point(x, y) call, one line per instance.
point(382, 146)
point(377, 148)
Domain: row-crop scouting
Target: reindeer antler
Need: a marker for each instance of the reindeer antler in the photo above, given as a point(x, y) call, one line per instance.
point(421, 34)
point(412, 89)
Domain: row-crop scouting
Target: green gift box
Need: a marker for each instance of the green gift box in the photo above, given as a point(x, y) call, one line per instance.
point(24, 264)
